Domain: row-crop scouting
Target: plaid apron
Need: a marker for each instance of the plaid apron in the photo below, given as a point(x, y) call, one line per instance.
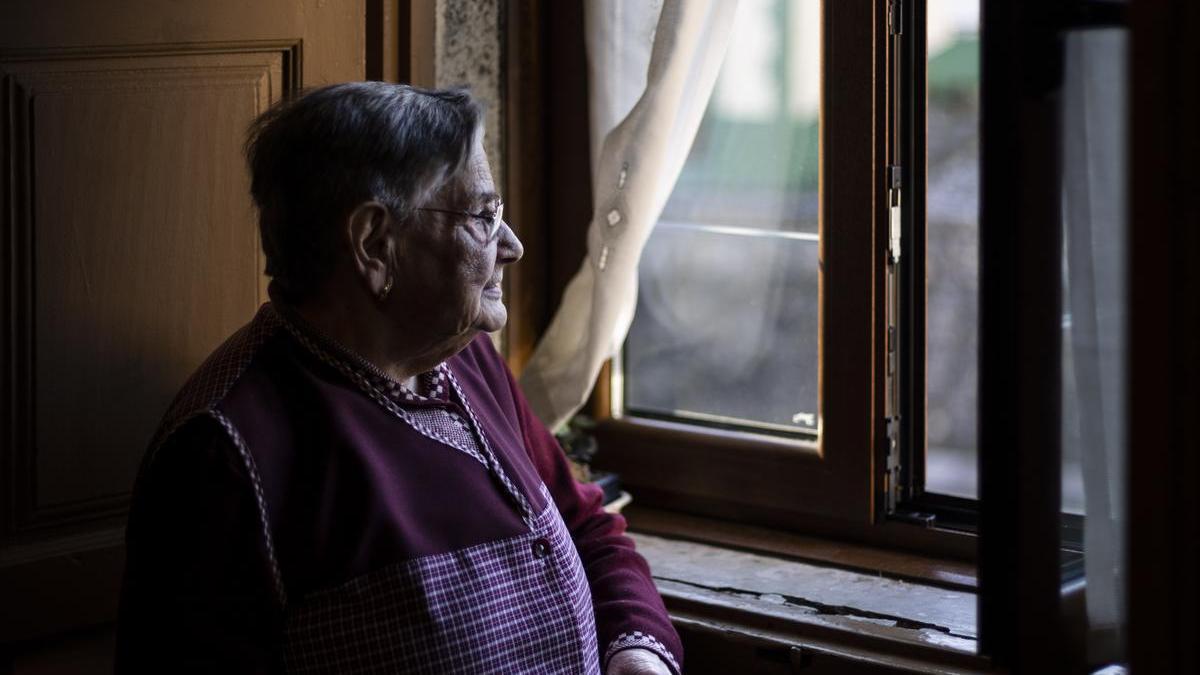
point(519, 605)
point(515, 605)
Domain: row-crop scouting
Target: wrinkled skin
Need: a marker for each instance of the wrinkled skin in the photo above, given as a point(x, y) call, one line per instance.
point(445, 271)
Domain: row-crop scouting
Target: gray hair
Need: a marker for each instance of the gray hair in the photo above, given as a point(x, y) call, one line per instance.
point(314, 158)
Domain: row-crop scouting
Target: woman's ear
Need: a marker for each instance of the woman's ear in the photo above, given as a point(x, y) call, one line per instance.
point(370, 236)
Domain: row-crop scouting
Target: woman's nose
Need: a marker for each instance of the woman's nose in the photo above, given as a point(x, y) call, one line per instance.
point(509, 247)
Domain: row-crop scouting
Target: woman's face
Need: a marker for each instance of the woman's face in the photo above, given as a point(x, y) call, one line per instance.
point(448, 271)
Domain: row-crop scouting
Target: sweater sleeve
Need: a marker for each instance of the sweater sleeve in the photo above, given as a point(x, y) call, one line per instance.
point(629, 611)
point(197, 595)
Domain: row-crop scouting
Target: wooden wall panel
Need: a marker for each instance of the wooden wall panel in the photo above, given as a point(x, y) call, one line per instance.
point(127, 251)
point(130, 251)
point(132, 217)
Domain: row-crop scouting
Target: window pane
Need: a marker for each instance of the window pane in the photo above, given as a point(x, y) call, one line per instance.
point(726, 325)
point(952, 246)
point(953, 264)
point(1094, 130)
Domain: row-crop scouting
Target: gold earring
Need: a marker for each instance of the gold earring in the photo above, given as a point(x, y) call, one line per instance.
point(387, 288)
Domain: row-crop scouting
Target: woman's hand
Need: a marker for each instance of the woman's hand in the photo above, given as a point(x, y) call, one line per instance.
point(637, 662)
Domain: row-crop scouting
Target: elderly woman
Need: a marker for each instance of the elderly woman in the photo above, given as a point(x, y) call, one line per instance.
point(353, 482)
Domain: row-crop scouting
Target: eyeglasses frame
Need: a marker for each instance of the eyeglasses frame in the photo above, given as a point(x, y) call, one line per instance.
point(495, 219)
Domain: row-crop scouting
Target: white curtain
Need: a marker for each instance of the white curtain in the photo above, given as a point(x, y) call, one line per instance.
point(1094, 179)
point(652, 70)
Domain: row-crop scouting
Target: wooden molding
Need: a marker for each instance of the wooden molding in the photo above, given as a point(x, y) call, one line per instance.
point(1163, 518)
point(525, 199)
point(60, 82)
point(1020, 337)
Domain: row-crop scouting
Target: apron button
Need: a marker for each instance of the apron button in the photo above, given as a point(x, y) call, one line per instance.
point(541, 548)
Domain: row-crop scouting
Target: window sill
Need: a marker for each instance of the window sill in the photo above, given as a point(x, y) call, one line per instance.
point(949, 573)
point(805, 611)
point(776, 487)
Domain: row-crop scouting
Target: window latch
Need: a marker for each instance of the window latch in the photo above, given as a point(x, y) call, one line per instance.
point(893, 488)
point(895, 183)
point(895, 18)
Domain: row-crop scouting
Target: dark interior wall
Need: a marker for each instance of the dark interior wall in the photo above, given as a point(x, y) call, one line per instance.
point(87, 652)
point(568, 189)
point(144, 204)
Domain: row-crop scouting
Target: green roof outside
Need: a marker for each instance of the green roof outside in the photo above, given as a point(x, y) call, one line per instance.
point(956, 67)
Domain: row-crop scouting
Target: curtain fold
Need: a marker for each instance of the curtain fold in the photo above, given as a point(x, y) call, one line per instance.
point(650, 83)
point(1094, 211)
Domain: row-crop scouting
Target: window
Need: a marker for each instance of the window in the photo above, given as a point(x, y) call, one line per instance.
point(748, 381)
point(805, 346)
point(726, 329)
point(707, 456)
point(952, 245)
point(951, 264)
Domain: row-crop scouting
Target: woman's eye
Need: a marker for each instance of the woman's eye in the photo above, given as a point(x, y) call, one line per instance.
point(482, 224)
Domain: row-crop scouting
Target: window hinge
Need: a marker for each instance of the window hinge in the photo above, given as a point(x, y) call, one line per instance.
point(895, 184)
point(895, 18)
point(893, 492)
point(921, 518)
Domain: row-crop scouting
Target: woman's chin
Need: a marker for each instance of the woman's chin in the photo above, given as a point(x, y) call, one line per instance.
point(493, 317)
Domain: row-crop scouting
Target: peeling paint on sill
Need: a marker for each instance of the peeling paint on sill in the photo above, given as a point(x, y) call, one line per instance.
point(821, 609)
point(790, 590)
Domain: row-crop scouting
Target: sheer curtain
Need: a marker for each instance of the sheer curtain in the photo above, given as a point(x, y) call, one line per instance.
point(1094, 179)
point(652, 69)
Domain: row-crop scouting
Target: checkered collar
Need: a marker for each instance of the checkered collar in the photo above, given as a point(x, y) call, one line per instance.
point(433, 386)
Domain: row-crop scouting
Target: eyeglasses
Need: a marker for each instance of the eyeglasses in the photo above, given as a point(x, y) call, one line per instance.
point(491, 220)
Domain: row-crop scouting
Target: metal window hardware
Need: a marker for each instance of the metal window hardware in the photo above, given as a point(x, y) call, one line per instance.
point(921, 518)
point(895, 18)
point(895, 185)
point(893, 489)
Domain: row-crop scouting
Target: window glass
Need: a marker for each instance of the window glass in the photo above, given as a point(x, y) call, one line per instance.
point(952, 246)
point(727, 318)
point(1095, 231)
point(952, 264)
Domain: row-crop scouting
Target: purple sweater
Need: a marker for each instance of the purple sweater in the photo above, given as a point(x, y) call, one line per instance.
point(283, 519)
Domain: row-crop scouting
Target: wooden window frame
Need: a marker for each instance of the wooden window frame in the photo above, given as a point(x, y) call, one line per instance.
point(826, 488)
point(1163, 363)
point(1164, 368)
point(671, 464)
point(830, 487)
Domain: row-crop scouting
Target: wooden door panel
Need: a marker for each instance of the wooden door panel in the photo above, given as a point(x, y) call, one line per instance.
point(141, 246)
point(133, 253)
point(128, 251)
